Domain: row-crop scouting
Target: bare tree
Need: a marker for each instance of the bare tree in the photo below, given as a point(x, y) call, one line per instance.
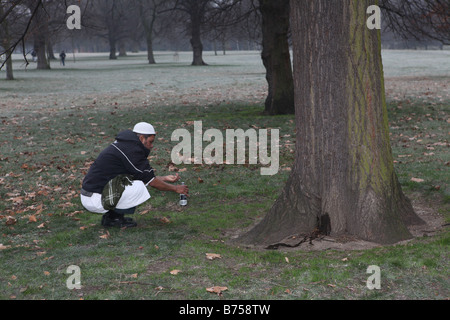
point(196, 12)
point(419, 19)
point(18, 11)
point(148, 13)
point(107, 19)
point(5, 41)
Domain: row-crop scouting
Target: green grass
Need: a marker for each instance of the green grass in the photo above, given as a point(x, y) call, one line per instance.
point(49, 141)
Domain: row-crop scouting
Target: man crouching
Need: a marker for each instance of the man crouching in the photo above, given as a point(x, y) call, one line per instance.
point(117, 181)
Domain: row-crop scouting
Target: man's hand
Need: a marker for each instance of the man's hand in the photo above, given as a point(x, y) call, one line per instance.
point(182, 189)
point(171, 178)
point(161, 184)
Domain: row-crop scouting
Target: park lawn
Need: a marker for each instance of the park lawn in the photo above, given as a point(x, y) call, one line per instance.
point(50, 139)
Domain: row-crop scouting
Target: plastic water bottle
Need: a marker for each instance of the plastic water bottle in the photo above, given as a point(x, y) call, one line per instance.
point(183, 198)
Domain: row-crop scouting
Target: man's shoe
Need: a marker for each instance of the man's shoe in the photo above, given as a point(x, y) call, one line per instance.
point(117, 220)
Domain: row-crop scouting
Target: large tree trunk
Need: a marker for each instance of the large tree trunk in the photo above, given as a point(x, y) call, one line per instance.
point(41, 50)
point(343, 180)
point(40, 38)
point(196, 42)
point(276, 57)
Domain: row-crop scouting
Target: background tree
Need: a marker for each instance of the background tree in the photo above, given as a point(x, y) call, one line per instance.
point(276, 57)
point(424, 19)
point(148, 13)
point(343, 180)
point(40, 32)
point(5, 41)
point(196, 12)
point(108, 19)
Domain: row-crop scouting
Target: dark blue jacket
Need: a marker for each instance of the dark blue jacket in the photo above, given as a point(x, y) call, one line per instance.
point(127, 155)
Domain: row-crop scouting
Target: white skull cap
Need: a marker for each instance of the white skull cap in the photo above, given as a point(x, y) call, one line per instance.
point(144, 128)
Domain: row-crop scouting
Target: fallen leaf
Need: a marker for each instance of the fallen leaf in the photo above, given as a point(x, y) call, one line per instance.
point(175, 272)
point(2, 247)
point(41, 225)
point(212, 256)
point(32, 218)
point(164, 220)
point(417, 180)
point(105, 236)
point(287, 259)
point(10, 220)
point(216, 289)
point(46, 273)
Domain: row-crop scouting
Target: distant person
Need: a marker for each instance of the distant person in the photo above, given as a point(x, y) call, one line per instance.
point(62, 55)
point(34, 55)
point(117, 181)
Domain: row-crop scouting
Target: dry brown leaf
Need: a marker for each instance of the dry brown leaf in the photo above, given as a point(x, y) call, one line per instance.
point(164, 220)
point(175, 271)
point(10, 220)
point(417, 180)
point(32, 218)
point(105, 236)
point(216, 289)
point(212, 256)
point(2, 247)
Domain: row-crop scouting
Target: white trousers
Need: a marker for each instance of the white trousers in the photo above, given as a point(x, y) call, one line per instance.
point(132, 196)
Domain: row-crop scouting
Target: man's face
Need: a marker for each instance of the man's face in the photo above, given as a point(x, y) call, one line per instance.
point(147, 142)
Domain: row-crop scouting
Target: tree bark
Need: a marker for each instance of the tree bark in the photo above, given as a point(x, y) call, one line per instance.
point(343, 180)
point(148, 24)
point(40, 38)
point(150, 54)
point(41, 50)
point(6, 45)
point(112, 47)
point(276, 57)
point(196, 42)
